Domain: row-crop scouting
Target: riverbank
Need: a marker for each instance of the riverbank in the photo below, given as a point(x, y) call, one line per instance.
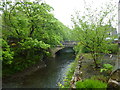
point(20, 75)
point(88, 69)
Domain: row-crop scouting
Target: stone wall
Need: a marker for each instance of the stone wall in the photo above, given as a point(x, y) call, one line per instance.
point(77, 74)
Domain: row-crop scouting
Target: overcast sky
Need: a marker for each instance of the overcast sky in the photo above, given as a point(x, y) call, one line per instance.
point(63, 9)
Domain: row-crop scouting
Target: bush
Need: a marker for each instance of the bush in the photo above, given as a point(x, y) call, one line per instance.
point(85, 50)
point(7, 54)
point(113, 48)
point(107, 68)
point(89, 83)
point(81, 49)
point(27, 53)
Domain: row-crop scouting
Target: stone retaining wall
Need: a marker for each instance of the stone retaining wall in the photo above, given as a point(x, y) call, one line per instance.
point(114, 80)
point(77, 74)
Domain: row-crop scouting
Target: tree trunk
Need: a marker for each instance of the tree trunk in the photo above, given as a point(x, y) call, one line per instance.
point(96, 65)
point(94, 58)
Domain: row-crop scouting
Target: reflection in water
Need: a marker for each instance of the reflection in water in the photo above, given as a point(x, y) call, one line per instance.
point(47, 77)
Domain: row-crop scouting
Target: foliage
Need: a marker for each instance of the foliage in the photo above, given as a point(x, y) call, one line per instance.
point(81, 49)
point(29, 31)
point(113, 48)
point(93, 33)
point(31, 44)
point(32, 19)
point(107, 68)
point(7, 54)
point(89, 83)
point(78, 48)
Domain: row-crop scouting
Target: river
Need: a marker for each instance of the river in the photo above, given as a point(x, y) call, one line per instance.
point(47, 77)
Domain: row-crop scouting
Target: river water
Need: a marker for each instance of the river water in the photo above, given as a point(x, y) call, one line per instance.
point(47, 77)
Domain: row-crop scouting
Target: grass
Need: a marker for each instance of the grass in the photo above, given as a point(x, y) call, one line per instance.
point(91, 83)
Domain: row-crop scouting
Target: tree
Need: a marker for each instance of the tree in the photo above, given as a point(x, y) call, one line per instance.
point(29, 31)
point(92, 30)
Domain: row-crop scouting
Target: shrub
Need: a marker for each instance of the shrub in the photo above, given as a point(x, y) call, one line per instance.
point(85, 50)
point(81, 49)
point(89, 83)
point(7, 54)
point(107, 68)
point(113, 48)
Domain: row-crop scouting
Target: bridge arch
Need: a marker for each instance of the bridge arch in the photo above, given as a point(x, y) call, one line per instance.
point(65, 50)
point(56, 50)
point(65, 44)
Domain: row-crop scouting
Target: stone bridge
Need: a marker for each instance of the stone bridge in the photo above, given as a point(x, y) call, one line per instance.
point(68, 43)
point(64, 45)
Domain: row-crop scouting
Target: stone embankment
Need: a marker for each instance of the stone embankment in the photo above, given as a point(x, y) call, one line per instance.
point(77, 74)
point(114, 80)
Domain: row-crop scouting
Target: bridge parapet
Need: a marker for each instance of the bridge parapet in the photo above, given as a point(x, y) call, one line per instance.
point(64, 44)
point(69, 43)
